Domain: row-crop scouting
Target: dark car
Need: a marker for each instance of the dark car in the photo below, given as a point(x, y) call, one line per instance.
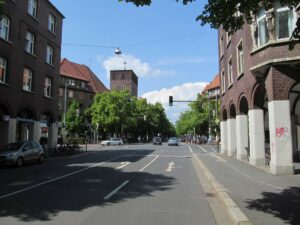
point(19, 153)
point(157, 141)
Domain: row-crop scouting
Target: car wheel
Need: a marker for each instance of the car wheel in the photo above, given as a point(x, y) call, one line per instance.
point(42, 159)
point(19, 162)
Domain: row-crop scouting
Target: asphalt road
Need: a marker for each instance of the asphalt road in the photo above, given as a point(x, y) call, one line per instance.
point(126, 185)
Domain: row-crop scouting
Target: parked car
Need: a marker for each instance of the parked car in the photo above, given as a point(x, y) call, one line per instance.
point(21, 152)
point(173, 141)
point(157, 141)
point(112, 141)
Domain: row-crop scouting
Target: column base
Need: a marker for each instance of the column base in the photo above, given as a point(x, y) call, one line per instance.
point(282, 169)
point(241, 157)
point(231, 154)
point(257, 162)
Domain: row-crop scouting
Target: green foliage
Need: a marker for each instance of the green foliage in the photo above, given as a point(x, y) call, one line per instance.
point(118, 112)
point(75, 120)
point(201, 116)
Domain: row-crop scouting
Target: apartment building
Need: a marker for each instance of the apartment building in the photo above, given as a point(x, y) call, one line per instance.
point(77, 82)
point(30, 48)
point(260, 90)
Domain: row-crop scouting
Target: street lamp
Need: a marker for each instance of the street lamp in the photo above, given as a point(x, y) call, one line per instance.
point(65, 101)
point(118, 51)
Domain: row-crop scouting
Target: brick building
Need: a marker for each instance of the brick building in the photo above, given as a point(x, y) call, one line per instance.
point(77, 82)
point(30, 48)
point(260, 90)
point(124, 80)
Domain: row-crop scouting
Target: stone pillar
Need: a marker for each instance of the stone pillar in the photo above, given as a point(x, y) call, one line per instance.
point(53, 135)
point(12, 130)
point(224, 137)
point(241, 136)
point(36, 131)
point(280, 137)
point(257, 137)
point(231, 129)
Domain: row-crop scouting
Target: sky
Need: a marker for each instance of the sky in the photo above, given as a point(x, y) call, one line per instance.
point(171, 53)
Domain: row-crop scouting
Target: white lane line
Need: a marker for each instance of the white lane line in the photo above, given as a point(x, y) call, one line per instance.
point(123, 164)
point(203, 149)
point(191, 150)
point(55, 179)
point(212, 149)
point(141, 170)
point(116, 190)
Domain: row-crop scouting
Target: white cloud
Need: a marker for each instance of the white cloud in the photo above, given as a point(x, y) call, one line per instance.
point(142, 69)
point(187, 91)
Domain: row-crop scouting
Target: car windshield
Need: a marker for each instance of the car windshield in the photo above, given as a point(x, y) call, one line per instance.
point(173, 138)
point(12, 146)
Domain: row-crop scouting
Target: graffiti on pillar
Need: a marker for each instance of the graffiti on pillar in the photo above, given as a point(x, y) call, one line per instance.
point(273, 147)
point(281, 131)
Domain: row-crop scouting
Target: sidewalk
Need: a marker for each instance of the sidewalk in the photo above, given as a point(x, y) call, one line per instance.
point(264, 198)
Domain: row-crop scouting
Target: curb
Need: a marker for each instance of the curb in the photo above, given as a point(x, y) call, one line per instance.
point(235, 213)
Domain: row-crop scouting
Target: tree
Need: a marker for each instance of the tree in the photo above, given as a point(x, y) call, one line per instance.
point(219, 13)
point(74, 119)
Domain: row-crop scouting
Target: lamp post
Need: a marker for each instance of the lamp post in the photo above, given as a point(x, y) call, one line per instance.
point(65, 101)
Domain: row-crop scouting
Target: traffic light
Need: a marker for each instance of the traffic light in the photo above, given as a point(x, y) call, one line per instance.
point(170, 100)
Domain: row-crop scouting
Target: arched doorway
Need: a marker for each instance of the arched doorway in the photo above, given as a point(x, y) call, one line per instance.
point(243, 150)
point(25, 124)
point(294, 97)
point(231, 128)
point(5, 114)
point(258, 126)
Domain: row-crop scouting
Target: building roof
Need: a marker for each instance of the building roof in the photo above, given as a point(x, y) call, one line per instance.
point(83, 73)
point(212, 85)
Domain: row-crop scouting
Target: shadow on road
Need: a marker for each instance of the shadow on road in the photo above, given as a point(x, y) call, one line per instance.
point(82, 190)
point(284, 205)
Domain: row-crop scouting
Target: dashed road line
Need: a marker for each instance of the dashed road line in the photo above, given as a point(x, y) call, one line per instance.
point(203, 149)
point(141, 170)
point(116, 190)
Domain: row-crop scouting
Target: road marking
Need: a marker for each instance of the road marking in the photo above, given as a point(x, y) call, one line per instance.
point(212, 149)
point(141, 170)
point(191, 150)
point(116, 190)
point(123, 164)
point(55, 179)
point(170, 166)
point(203, 149)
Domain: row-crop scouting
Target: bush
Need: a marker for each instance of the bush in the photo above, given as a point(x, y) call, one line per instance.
point(76, 140)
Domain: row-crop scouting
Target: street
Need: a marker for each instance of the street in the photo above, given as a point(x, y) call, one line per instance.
point(128, 185)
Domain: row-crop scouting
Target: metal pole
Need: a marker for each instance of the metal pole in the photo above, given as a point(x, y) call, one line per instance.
point(65, 104)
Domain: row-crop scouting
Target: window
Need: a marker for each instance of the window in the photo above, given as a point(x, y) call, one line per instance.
point(223, 82)
point(51, 23)
point(228, 38)
point(32, 8)
point(240, 58)
point(2, 70)
point(71, 94)
point(263, 35)
point(61, 92)
point(230, 77)
point(47, 88)
point(82, 85)
point(284, 21)
point(221, 46)
point(49, 55)
point(29, 47)
point(4, 28)
point(27, 80)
